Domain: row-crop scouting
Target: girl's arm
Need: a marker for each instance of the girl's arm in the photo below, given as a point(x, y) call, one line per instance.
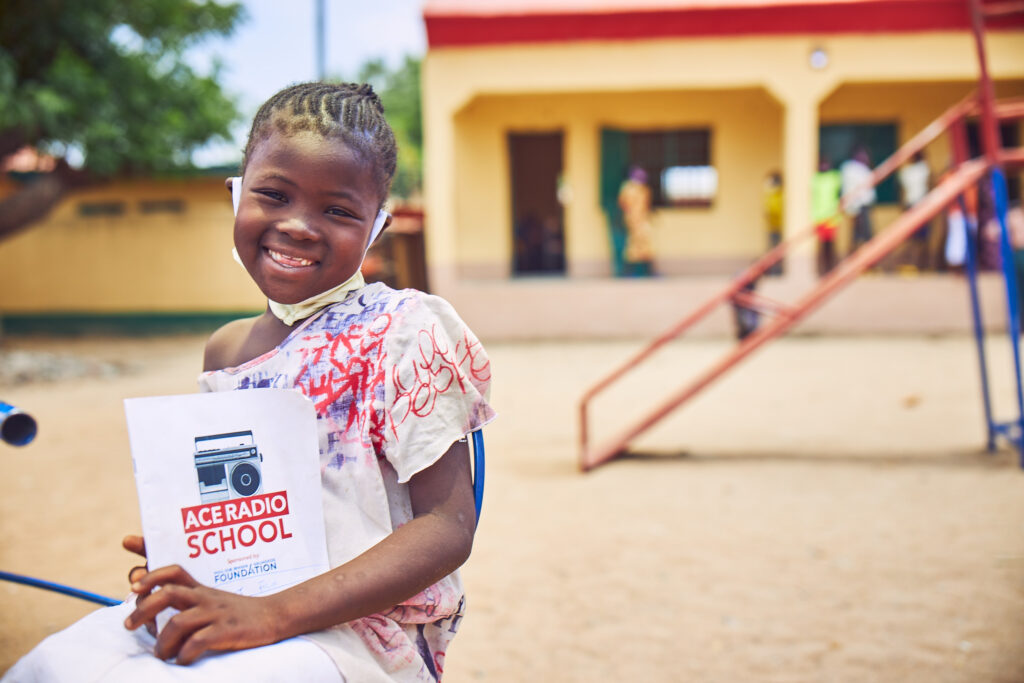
point(434, 544)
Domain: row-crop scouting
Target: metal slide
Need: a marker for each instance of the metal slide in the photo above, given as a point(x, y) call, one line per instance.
point(782, 316)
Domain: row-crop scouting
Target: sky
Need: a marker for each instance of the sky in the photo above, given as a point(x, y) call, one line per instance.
point(276, 46)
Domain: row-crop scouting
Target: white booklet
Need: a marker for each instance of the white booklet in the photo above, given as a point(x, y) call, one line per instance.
point(229, 487)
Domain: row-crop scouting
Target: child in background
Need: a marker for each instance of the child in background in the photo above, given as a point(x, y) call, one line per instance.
point(915, 181)
point(825, 189)
point(858, 196)
point(397, 380)
point(772, 201)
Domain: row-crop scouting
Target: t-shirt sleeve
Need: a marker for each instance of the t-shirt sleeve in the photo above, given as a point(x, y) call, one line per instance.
point(438, 384)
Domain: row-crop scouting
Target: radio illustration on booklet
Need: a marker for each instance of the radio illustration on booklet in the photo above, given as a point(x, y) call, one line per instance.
point(228, 466)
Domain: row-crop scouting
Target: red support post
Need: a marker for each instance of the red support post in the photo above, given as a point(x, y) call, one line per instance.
point(989, 128)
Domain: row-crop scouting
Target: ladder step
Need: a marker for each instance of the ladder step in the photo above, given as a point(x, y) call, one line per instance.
point(762, 304)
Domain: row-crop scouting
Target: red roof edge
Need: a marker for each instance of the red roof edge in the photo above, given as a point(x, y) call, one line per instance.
point(873, 16)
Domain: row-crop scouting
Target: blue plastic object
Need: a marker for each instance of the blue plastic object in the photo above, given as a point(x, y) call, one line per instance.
point(17, 427)
point(478, 471)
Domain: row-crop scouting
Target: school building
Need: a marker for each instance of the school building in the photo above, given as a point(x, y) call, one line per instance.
point(533, 109)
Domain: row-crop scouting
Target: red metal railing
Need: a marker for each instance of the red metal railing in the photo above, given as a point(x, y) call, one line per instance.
point(784, 316)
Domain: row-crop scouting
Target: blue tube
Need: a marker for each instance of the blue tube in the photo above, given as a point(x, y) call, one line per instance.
point(59, 588)
point(17, 427)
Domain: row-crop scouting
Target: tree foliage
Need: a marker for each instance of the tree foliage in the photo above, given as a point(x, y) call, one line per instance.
point(107, 82)
point(399, 90)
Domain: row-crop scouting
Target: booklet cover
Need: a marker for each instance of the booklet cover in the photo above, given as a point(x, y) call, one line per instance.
point(229, 487)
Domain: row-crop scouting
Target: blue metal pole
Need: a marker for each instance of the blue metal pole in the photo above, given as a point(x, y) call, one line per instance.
point(971, 229)
point(998, 180)
point(59, 588)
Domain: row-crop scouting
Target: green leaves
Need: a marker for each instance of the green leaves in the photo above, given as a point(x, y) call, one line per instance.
point(108, 77)
point(399, 90)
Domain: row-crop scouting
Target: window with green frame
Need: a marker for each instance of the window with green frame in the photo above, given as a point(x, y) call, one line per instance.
point(682, 155)
point(836, 143)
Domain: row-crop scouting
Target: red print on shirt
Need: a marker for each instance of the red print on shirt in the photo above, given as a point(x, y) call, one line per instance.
point(355, 369)
point(436, 369)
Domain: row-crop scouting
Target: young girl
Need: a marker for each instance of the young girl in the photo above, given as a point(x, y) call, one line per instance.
point(397, 381)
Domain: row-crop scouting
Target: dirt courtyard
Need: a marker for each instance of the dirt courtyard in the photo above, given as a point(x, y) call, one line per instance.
point(826, 513)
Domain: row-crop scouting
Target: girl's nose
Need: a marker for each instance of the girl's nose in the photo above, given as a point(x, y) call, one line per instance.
point(297, 228)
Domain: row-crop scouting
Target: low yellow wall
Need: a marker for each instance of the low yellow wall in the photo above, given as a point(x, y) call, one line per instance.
point(134, 262)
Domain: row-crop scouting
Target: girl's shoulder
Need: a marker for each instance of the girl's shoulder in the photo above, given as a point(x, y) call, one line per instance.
point(225, 346)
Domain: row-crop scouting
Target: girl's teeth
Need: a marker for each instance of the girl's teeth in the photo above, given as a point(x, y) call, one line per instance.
point(290, 261)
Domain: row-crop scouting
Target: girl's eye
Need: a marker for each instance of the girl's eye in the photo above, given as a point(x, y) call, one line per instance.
point(338, 211)
point(272, 194)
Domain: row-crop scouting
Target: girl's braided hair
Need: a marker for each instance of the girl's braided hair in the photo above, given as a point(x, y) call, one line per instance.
point(351, 112)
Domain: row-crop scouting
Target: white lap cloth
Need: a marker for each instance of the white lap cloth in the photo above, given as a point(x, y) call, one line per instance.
point(99, 648)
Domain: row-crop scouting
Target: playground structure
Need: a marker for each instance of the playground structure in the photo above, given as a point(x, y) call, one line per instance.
point(966, 173)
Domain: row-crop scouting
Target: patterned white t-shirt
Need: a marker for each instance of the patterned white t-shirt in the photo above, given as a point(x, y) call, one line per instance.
point(396, 377)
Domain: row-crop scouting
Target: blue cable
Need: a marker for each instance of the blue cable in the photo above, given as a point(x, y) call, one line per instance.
point(59, 588)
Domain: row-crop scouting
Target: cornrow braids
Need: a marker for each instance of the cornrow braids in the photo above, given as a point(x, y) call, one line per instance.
point(351, 112)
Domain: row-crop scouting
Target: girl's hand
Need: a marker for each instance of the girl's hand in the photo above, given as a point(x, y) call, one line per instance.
point(207, 619)
point(135, 544)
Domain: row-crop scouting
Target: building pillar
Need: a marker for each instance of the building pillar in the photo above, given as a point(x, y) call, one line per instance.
point(439, 181)
point(585, 231)
point(800, 160)
point(801, 101)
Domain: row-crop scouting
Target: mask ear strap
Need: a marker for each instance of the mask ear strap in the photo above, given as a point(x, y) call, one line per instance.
point(378, 225)
point(236, 192)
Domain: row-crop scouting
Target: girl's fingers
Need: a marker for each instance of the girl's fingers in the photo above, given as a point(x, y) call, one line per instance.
point(180, 630)
point(194, 647)
point(136, 573)
point(147, 606)
point(134, 544)
point(164, 576)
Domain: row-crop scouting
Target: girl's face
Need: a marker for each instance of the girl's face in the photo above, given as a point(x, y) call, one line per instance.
point(307, 207)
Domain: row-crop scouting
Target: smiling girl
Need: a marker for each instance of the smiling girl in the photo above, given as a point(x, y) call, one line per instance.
point(397, 380)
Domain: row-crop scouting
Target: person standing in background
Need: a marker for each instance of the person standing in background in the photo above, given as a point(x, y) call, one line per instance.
point(773, 215)
point(858, 195)
point(635, 202)
point(915, 181)
point(825, 188)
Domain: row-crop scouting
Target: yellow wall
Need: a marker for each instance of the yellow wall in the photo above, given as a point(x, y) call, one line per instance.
point(130, 263)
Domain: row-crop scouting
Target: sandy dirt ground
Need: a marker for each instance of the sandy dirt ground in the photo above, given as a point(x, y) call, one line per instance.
point(826, 513)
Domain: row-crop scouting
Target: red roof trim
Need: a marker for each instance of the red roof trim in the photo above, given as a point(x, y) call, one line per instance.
point(874, 16)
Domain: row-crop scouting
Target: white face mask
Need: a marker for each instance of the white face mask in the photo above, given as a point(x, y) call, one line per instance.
point(290, 313)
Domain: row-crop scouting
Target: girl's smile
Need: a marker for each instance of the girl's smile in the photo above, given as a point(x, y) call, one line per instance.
point(307, 206)
point(289, 261)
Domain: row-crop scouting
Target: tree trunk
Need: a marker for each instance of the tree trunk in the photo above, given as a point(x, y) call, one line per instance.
point(30, 204)
point(34, 201)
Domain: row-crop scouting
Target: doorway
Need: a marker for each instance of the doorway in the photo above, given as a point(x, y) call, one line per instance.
point(538, 236)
